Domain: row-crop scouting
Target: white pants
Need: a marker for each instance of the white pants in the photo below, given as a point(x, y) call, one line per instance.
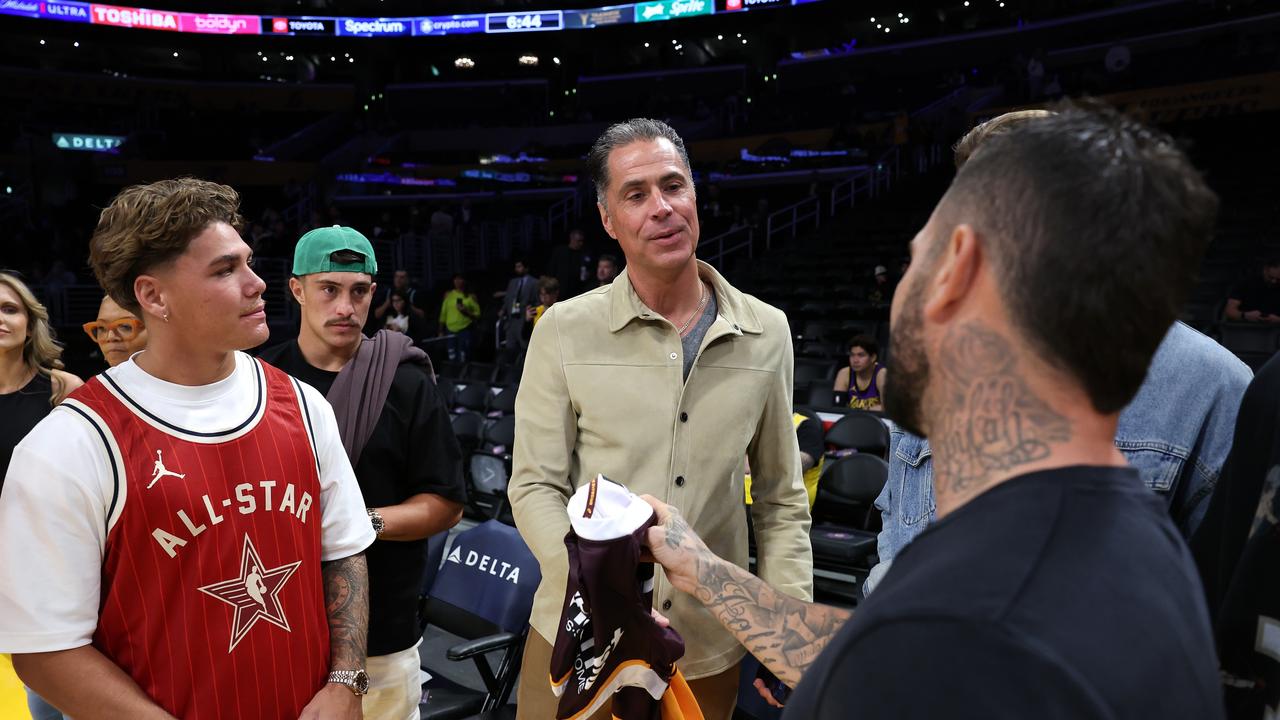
point(394, 687)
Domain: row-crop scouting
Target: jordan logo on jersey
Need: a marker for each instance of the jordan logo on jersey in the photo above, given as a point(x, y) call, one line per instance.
point(253, 594)
point(159, 471)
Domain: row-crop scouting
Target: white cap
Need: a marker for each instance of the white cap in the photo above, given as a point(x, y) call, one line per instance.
point(614, 511)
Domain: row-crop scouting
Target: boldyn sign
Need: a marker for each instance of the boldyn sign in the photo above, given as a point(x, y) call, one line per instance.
point(88, 143)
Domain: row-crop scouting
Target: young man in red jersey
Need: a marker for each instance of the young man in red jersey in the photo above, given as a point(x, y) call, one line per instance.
point(184, 536)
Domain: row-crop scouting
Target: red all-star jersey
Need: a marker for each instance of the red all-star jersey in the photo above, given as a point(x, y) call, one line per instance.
point(211, 586)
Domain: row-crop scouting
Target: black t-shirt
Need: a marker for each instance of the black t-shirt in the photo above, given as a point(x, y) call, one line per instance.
point(1066, 593)
point(1255, 294)
point(412, 450)
point(1237, 547)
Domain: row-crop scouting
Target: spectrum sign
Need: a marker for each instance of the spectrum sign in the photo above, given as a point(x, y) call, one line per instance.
point(375, 27)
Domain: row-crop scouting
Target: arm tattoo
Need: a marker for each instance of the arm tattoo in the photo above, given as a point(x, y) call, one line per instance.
point(991, 420)
point(346, 600)
point(784, 633)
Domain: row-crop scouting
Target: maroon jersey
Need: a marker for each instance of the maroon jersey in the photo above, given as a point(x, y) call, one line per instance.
point(211, 588)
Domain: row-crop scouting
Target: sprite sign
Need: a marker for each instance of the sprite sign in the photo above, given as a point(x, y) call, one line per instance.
point(672, 9)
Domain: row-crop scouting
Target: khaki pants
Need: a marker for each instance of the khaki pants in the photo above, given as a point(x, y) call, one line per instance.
point(395, 687)
point(717, 695)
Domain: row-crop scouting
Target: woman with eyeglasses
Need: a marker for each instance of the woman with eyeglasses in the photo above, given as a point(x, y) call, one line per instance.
point(118, 332)
point(31, 383)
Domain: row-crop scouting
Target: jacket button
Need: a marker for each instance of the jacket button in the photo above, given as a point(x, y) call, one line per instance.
point(666, 604)
point(674, 356)
point(680, 481)
point(684, 417)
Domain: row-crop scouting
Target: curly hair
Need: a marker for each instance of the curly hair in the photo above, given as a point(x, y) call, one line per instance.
point(41, 352)
point(149, 225)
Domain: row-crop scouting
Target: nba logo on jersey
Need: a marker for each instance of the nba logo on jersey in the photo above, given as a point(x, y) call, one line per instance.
point(254, 593)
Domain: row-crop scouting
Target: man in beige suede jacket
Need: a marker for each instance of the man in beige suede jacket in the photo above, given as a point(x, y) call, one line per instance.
point(663, 381)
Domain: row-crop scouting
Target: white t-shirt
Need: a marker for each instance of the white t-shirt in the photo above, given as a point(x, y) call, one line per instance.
point(59, 488)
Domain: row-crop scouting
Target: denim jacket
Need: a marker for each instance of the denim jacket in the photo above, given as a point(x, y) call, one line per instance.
point(1176, 432)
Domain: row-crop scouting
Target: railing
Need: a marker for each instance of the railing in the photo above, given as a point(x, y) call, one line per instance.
point(788, 219)
point(561, 215)
point(727, 243)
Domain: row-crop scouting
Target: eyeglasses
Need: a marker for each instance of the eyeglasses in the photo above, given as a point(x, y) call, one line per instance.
point(127, 328)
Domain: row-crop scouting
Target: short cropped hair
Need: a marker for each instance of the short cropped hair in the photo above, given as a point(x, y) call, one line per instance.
point(622, 134)
point(998, 125)
point(1095, 226)
point(146, 226)
point(866, 342)
point(549, 285)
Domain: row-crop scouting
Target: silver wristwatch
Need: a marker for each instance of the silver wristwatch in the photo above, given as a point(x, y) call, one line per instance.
point(357, 681)
point(375, 517)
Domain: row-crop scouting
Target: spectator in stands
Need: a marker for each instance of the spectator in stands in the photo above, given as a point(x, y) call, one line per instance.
point(570, 264)
point(548, 294)
point(1053, 569)
point(1176, 432)
point(118, 332)
point(31, 383)
point(860, 383)
point(1257, 299)
point(441, 222)
point(400, 282)
point(397, 436)
point(403, 317)
point(520, 295)
point(606, 270)
point(600, 394)
point(458, 313)
point(811, 440)
point(882, 291)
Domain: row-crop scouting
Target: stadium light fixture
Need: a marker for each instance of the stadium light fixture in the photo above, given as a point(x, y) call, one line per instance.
point(464, 63)
point(555, 60)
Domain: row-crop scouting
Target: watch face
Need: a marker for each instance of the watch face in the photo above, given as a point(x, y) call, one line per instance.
point(362, 681)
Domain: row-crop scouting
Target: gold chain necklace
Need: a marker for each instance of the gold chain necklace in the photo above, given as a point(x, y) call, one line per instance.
point(702, 301)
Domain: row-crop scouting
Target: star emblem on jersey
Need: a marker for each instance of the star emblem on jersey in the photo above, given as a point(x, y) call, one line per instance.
point(253, 594)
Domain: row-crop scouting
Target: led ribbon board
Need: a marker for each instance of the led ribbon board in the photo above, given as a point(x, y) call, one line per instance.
point(435, 25)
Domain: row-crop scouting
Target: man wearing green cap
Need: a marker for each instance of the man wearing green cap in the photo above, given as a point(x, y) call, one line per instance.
point(396, 432)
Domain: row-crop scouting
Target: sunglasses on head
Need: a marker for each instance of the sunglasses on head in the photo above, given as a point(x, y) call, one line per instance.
point(127, 328)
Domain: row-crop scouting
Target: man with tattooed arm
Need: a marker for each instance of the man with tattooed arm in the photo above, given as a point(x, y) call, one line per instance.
point(1054, 584)
point(184, 536)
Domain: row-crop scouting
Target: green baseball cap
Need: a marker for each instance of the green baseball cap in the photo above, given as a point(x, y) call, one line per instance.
point(314, 252)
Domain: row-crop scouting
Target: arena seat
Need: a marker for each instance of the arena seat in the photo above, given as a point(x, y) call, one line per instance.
point(845, 521)
point(861, 431)
point(489, 467)
point(489, 610)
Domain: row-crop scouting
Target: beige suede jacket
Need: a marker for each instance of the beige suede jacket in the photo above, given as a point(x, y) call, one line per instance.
point(602, 392)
